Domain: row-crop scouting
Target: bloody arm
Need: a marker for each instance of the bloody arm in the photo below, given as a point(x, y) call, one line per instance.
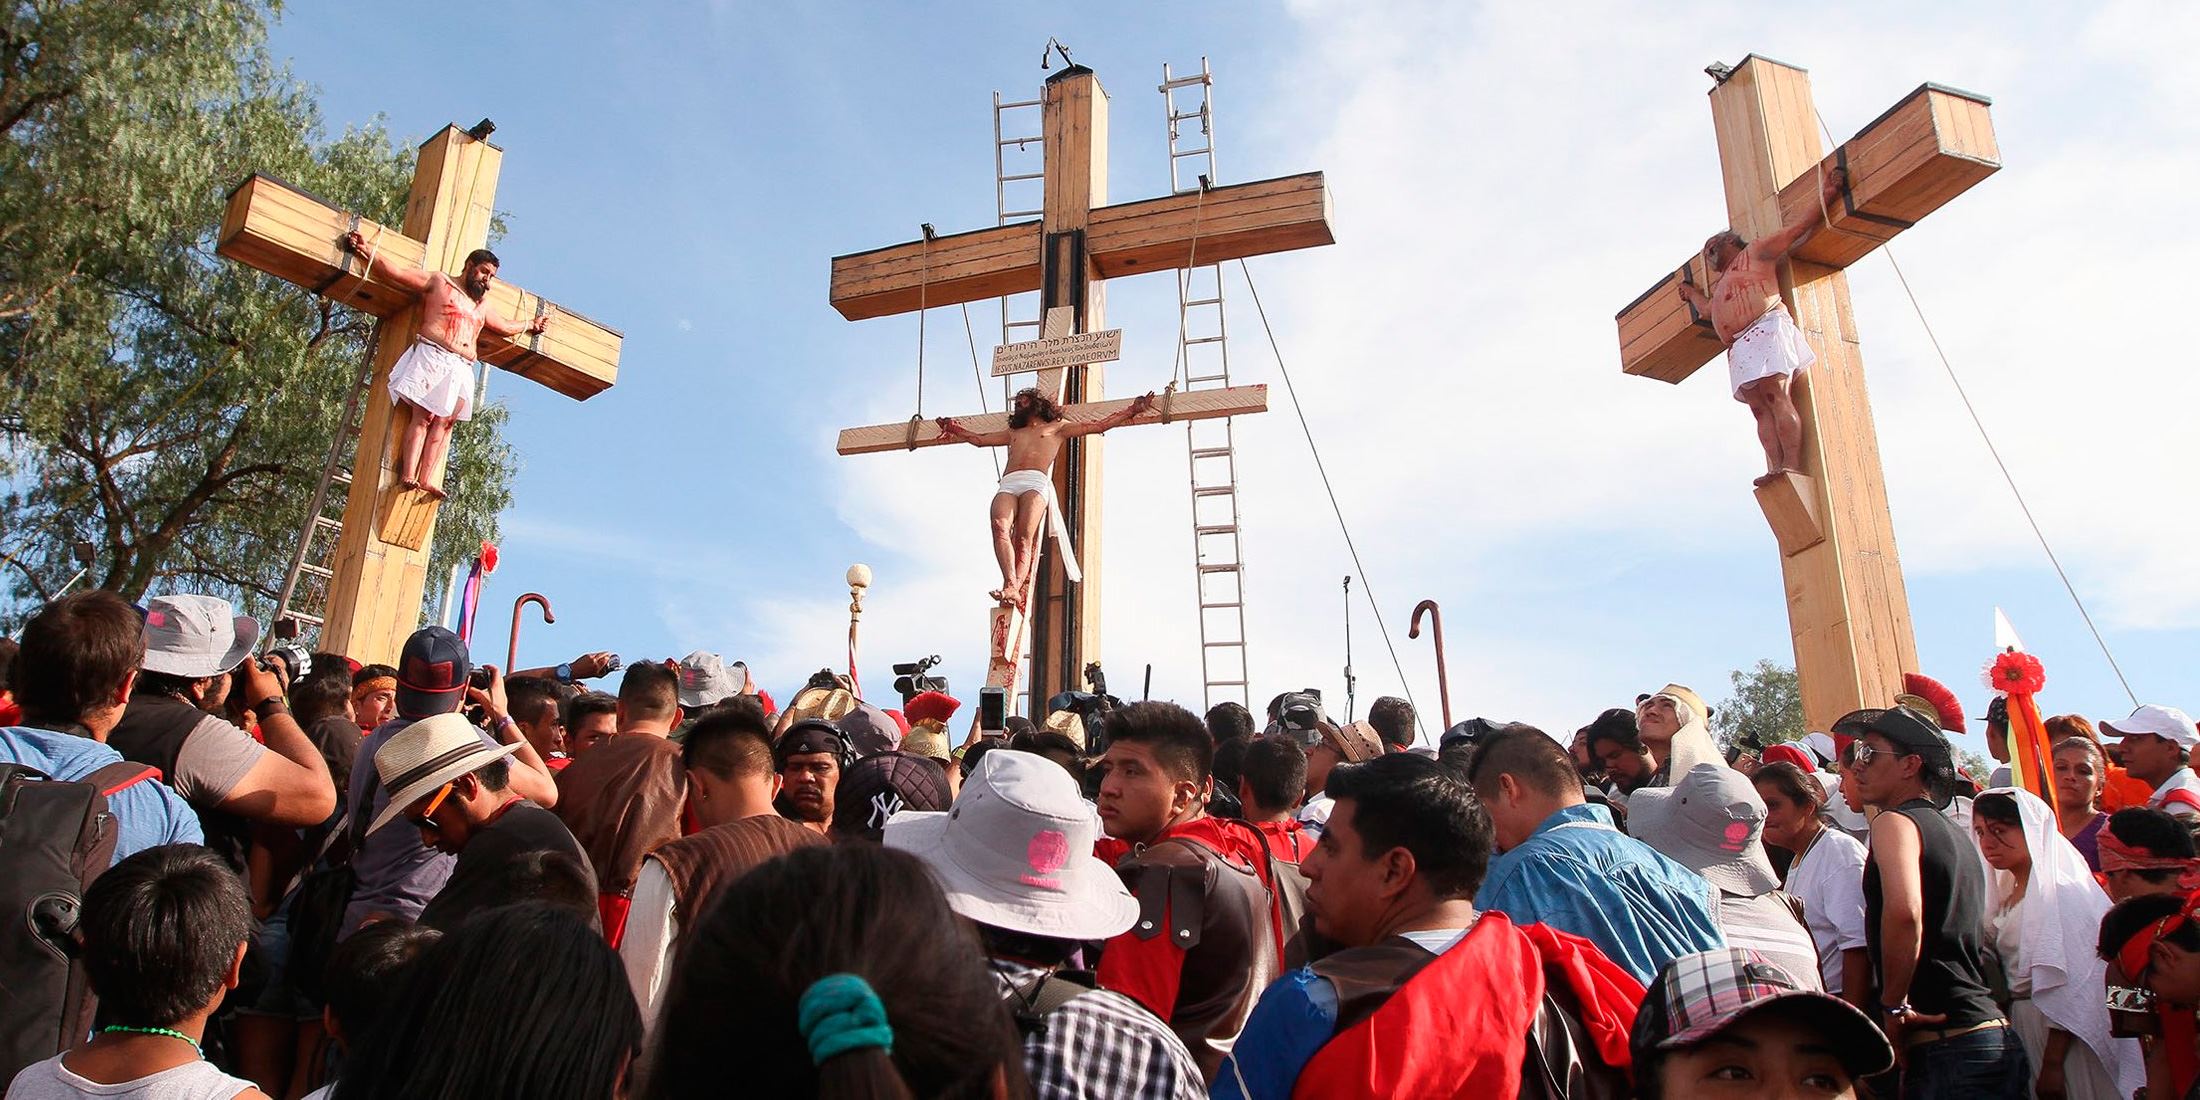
point(498, 326)
point(1115, 419)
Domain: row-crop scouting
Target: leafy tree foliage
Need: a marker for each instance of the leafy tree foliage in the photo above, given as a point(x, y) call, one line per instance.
point(169, 407)
point(1765, 709)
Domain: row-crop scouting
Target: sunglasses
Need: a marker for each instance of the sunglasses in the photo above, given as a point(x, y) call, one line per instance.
point(425, 819)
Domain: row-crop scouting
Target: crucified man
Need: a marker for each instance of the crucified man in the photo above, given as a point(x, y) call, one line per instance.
point(436, 374)
point(1025, 500)
point(1763, 345)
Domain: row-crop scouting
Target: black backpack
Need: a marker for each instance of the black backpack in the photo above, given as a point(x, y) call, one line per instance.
point(55, 838)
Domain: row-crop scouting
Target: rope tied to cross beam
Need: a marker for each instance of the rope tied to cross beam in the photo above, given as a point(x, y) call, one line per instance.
point(1182, 364)
point(1366, 588)
point(924, 288)
point(1977, 422)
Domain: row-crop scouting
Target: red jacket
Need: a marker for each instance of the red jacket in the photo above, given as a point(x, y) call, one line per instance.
point(1458, 1027)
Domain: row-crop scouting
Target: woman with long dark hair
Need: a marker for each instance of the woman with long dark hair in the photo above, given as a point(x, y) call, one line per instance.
point(837, 973)
point(523, 1002)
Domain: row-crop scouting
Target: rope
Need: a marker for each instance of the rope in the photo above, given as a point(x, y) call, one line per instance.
point(1365, 588)
point(978, 376)
point(924, 287)
point(1992, 451)
point(1182, 364)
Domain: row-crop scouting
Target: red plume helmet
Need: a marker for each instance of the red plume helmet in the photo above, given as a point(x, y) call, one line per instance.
point(1947, 707)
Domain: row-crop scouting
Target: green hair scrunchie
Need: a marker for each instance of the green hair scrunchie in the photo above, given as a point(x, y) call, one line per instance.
point(840, 1013)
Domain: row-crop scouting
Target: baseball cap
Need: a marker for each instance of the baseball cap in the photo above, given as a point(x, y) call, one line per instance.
point(1015, 852)
point(810, 735)
point(431, 675)
point(1789, 752)
point(2167, 723)
point(870, 730)
point(1906, 726)
point(1711, 821)
point(706, 678)
point(876, 788)
point(1697, 996)
point(196, 636)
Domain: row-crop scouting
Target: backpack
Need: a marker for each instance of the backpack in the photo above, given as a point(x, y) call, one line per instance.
point(317, 909)
point(56, 836)
point(1033, 1001)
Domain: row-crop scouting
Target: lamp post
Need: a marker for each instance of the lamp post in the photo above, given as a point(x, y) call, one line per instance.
point(859, 580)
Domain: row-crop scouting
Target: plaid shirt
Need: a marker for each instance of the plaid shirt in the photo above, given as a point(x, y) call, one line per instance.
point(1103, 1046)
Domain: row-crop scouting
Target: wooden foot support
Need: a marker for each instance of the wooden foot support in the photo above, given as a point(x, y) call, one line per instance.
point(407, 517)
point(1790, 503)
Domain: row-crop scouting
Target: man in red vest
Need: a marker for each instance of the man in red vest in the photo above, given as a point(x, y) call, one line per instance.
point(1428, 998)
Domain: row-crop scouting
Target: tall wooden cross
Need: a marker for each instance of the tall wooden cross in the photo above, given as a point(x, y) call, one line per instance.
point(380, 567)
point(1078, 242)
point(1847, 611)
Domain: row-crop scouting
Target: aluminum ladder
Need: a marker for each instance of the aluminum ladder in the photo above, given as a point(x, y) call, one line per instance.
point(1204, 357)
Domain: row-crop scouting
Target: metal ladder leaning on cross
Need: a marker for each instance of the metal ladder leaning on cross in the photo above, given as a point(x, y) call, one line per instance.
point(1203, 352)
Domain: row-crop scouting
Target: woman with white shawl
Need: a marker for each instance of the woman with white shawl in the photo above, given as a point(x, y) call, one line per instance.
point(2044, 914)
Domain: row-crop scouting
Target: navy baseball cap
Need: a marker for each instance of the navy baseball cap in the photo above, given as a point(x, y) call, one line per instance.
point(431, 676)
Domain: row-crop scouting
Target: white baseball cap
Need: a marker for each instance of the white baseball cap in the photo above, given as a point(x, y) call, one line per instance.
point(1015, 852)
point(2167, 723)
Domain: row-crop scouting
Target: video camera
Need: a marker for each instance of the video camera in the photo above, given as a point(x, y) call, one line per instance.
point(911, 679)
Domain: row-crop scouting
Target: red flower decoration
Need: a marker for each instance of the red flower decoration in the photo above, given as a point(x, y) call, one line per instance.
point(488, 557)
point(2016, 674)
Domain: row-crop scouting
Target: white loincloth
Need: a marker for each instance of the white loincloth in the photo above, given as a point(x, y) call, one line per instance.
point(1016, 483)
point(436, 379)
point(1770, 345)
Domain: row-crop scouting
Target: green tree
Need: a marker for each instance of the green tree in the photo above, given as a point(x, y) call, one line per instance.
point(167, 406)
point(1765, 709)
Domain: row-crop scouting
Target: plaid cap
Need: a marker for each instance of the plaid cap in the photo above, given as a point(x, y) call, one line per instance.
point(1698, 996)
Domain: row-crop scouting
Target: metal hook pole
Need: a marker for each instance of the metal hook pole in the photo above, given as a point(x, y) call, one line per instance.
point(1443, 677)
point(511, 655)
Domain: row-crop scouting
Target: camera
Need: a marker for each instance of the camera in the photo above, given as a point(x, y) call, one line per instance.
point(911, 679)
point(482, 677)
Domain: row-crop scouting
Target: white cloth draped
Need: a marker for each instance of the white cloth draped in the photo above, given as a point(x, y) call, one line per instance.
point(1016, 483)
point(2060, 922)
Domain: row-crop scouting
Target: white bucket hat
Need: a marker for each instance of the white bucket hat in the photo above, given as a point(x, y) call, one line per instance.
point(427, 754)
point(1711, 821)
point(1015, 852)
point(196, 636)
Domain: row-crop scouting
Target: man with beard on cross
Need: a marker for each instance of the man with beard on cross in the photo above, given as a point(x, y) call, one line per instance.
point(436, 374)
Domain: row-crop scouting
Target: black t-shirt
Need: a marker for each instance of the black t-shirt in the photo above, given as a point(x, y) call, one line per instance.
point(484, 876)
point(1951, 966)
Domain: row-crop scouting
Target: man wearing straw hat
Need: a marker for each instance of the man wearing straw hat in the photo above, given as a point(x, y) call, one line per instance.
point(456, 789)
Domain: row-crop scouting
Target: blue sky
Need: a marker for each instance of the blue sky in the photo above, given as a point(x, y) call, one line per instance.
point(1506, 177)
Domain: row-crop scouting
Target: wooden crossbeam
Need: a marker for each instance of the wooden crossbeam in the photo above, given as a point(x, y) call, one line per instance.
point(1197, 405)
point(288, 232)
point(1245, 219)
point(1932, 146)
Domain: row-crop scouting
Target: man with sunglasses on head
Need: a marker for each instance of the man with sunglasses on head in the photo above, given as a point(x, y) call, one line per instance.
point(1924, 913)
point(456, 790)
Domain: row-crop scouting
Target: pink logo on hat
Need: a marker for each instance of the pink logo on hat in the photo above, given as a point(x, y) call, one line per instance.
point(1047, 853)
point(156, 618)
point(1737, 836)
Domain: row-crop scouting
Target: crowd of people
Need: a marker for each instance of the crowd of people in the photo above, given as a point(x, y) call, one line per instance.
point(286, 874)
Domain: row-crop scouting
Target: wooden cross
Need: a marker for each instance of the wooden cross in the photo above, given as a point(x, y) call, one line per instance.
point(381, 561)
point(1847, 611)
point(1078, 242)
